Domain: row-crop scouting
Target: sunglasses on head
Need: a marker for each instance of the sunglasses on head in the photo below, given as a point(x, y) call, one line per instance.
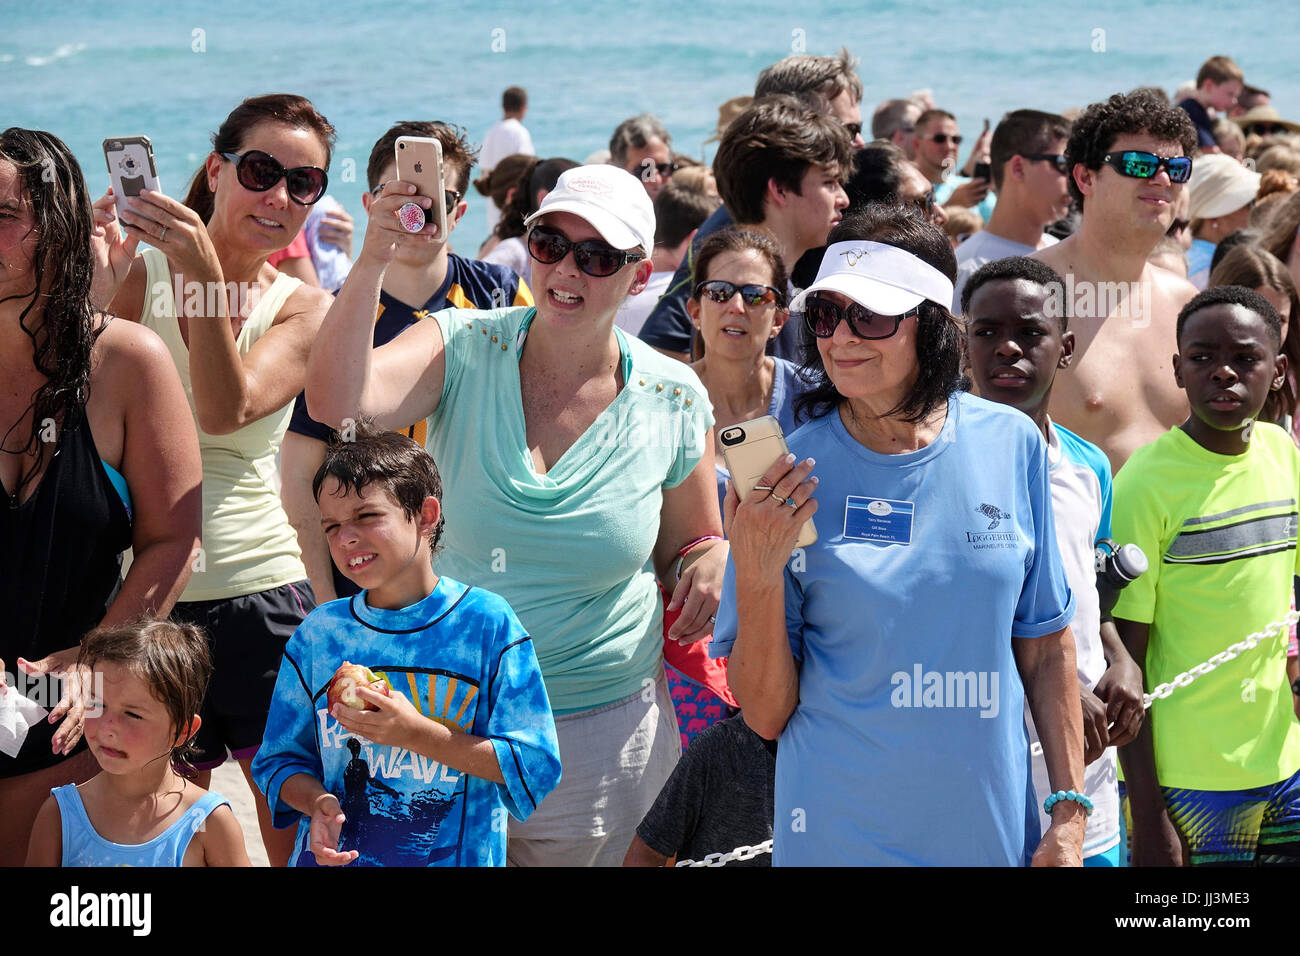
point(720, 290)
point(823, 317)
point(1056, 159)
point(942, 138)
point(1139, 164)
point(592, 256)
point(450, 196)
point(259, 171)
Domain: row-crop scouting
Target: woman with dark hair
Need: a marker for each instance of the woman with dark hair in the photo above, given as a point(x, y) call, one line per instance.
point(239, 333)
point(87, 469)
point(1281, 234)
point(889, 656)
point(1256, 268)
point(501, 185)
point(535, 182)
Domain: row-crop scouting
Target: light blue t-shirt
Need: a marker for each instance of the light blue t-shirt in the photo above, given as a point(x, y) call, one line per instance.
point(945, 189)
point(1199, 257)
point(462, 658)
point(908, 744)
point(83, 846)
point(571, 550)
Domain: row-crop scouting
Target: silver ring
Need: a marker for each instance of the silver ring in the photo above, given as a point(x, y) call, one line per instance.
point(777, 497)
point(712, 619)
point(790, 502)
point(763, 488)
point(162, 234)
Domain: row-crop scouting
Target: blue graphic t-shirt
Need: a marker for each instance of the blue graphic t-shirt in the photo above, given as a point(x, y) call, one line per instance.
point(908, 743)
point(463, 659)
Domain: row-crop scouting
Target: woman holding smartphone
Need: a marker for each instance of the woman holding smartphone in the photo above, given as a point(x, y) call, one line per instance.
point(239, 332)
point(88, 468)
point(889, 660)
point(577, 470)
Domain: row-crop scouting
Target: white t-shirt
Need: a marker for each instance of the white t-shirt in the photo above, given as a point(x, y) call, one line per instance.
point(985, 247)
point(513, 254)
point(637, 308)
point(507, 137)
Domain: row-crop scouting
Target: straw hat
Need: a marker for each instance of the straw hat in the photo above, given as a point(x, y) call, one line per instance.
point(1264, 115)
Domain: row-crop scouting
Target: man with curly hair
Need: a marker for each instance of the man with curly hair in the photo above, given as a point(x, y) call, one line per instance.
point(1127, 161)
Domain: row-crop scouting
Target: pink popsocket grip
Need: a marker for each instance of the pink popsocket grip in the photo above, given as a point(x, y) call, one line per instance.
point(411, 217)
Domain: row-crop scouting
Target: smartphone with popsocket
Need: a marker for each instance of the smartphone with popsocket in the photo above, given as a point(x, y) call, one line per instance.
point(419, 161)
point(750, 449)
point(131, 166)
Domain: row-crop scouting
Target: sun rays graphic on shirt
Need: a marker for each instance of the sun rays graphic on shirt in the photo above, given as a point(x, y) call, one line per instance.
point(441, 696)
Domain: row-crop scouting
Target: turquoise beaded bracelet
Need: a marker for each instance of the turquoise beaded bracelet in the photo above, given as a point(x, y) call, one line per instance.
point(1060, 795)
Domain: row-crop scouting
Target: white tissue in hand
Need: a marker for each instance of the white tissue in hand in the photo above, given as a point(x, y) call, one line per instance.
point(17, 715)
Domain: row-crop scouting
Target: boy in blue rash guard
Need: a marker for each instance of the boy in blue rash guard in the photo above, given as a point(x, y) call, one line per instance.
point(464, 735)
point(1016, 339)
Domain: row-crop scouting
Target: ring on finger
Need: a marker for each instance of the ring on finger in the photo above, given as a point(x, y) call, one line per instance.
point(790, 502)
point(162, 235)
point(763, 488)
point(777, 497)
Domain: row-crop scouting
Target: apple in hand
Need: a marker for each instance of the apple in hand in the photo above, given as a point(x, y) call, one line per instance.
point(343, 686)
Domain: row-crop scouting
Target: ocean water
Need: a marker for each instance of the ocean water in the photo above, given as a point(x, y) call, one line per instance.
point(173, 70)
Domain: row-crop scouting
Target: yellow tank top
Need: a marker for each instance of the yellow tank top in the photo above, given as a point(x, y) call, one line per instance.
point(247, 542)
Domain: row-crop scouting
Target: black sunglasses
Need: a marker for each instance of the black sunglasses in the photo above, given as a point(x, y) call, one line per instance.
point(450, 196)
point(720, 290)
point(1056, 159)
point(1265, 129)
point(944, 137)
point(854, 129)
point(1138, 164)
point(823, 317)
point(592, 256)
point(665, 170)
point(260, 171)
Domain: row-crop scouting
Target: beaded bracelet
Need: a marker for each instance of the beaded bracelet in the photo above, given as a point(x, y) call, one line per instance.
point(1060, 795)
point(681, 555)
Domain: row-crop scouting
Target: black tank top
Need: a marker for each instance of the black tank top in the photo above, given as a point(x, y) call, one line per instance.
point(60, 568)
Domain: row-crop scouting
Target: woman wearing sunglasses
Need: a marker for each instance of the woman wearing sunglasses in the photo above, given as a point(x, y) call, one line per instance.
point(889, 659)
point(577, 474)
point(239, 332)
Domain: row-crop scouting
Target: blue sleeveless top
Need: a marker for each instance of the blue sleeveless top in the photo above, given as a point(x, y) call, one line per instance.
point(83, 846)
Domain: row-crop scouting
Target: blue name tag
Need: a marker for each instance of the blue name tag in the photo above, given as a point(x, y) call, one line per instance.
point(878, 519)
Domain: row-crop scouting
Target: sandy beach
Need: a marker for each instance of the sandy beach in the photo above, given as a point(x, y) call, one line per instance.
point(228, 780)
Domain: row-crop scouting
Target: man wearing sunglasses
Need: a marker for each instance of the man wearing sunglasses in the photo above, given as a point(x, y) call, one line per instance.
point(1128, 165)
point(641, 145)
point(937, 141)
point(424, 277)
point(1027, 157)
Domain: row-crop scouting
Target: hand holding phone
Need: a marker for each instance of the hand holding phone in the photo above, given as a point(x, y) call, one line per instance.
point(131, 165)
point(750, 449)
point(419, 161)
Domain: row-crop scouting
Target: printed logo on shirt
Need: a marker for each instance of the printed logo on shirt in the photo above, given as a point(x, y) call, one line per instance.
point(883, 520)
point(995, 534)
point(994, 514)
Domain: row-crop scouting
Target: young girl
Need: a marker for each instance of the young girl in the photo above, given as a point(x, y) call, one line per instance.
point(142, 810)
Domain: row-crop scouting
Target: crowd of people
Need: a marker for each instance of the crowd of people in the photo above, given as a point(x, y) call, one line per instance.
point(446, 553)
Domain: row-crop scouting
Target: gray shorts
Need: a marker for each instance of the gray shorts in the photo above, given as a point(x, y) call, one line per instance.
point(616, 759)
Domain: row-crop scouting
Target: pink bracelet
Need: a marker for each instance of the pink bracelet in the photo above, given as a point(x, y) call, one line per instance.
point(681, 555)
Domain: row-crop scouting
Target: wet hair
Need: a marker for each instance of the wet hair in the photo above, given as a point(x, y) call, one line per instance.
point(457, 153)
point(1253, 268)
point(514, 99)
point(59, 318)
point(1248, 299)
point(679, 211)
point(284, 108)
point(388, 460)
point(938, 335)
point(804, 73)
point(776, 137)
point(891, 116)
point(172, 659)
point(1011, 269)
point(503, 177)
point(1219, 69)
point(635, 133)
point(1020, 133)
point(541, 174)
point(1097, 128)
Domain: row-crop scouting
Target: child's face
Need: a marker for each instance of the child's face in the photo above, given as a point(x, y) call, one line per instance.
point(1223, 96)
point(133, 728)
point(371, 538)
point(1227, 363)
point(1015, 344)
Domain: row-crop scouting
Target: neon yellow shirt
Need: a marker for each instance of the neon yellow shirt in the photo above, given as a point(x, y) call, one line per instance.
point(1219, 532)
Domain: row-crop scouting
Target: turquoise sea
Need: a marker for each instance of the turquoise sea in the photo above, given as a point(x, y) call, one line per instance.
point(173, 70)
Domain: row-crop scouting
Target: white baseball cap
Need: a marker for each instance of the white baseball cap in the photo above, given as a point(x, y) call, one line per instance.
point(611, 199)
point(883, 278)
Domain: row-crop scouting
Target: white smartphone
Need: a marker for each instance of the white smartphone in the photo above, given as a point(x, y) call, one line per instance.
point(131, 166)
point(750, 449)
point(419, 161)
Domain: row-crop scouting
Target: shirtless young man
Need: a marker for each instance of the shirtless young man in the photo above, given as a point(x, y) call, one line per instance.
point(1120, 393)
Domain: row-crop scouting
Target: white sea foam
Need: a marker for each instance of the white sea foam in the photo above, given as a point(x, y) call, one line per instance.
point(62, 52)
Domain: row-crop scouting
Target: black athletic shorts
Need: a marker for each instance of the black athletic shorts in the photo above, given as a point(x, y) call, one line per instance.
point(246, 636)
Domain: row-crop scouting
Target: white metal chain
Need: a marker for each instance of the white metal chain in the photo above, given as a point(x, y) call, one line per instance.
point(1163, 691)
point(739, 854)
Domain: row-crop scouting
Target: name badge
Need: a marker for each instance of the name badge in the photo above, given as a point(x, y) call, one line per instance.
point(878, 519)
